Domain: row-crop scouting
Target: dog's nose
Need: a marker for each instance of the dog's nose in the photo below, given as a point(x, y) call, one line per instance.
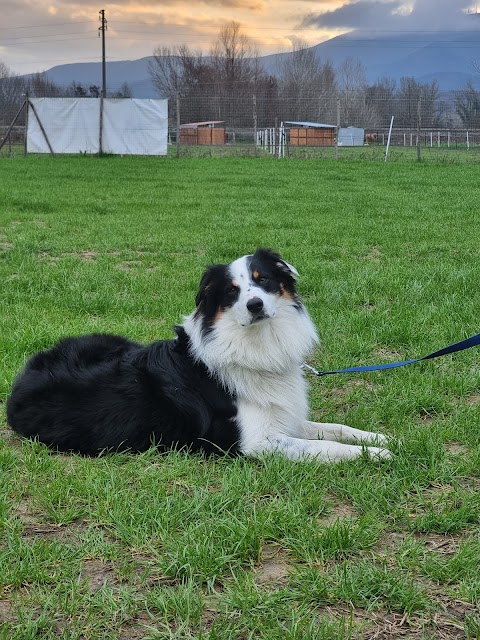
point(255, 305)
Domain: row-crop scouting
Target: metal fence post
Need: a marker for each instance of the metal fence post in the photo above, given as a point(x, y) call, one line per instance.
point(255, 122)
point(338, 128)
point(419, 126)
point(177, 142)
point(26, 104)
point(100, 128)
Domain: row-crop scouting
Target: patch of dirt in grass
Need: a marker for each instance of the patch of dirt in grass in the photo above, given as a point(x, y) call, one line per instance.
point(33, 528)
point(137, 628)
point(374, 254)
point(456, 449)
point(6, 613)
point(439, 543)
point(389, 542)
point(274, 568)
point(96, 573)
point(473, 400)
point(45, 255)
point(9, 436)
point(390, 626)
point(147, 573)
point(388, 355)
point(87, 256)
point(6, 246)
point(445, 622)
point(454, 611)
point(211, 611)
point(130, 265)
point(63, 533)
point(337, 511)
point(349, 387)
point(425, 416)
point(431, 497)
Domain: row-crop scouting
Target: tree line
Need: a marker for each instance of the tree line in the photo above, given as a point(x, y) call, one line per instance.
point(231, 84)
point(219, 86)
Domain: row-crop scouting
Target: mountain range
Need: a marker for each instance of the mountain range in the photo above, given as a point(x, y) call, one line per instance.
point(448, 57)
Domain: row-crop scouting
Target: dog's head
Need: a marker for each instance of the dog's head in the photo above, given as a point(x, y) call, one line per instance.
point(250, 290)
point(249, 316)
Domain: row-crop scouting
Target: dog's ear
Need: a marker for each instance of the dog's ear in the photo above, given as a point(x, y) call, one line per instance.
point(210, 287)
point(279, 262)
point(285, 266)
point(205, 285)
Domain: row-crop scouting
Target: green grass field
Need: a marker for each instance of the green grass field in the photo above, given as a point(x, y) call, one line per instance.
point(176, 546)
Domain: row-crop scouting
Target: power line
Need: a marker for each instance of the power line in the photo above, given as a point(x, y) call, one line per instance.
point(41, 26)
point(36, 39)
point(246, 28)
point(351, 42)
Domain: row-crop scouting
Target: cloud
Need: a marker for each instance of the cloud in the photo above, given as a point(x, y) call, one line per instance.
point(356, 15)
point(394, 15)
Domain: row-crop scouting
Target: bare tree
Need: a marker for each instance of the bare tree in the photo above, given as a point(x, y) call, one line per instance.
point(308, 87)
point(177, 70)
point(381, 100)
point(237, 76)
point(12, 91)
point(4, 71)
point(409, 94)
point(352, 84)
point(123, 92)
point(234, 59)
point(42, 87)
point(204, 84)
point(467, 106)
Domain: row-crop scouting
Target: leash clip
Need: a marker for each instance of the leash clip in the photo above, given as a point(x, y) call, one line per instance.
point(311, 369)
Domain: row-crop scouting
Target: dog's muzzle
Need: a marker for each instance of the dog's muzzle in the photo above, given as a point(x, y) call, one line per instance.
point(256, 308)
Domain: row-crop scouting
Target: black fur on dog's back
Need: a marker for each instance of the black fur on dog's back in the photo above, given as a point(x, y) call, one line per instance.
point(104, 392)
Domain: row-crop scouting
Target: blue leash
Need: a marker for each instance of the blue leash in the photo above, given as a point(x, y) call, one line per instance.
point(474, 341)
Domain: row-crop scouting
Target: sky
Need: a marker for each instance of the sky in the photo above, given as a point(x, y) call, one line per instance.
point(36, 35)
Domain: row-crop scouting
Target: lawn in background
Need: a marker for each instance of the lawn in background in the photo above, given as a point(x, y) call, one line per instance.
point(176, 546)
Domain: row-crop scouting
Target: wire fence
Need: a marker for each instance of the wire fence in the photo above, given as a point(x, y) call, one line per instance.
point(308, 126)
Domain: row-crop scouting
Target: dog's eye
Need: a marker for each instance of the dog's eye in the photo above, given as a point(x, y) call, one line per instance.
point(231, 289)
point(262, 280)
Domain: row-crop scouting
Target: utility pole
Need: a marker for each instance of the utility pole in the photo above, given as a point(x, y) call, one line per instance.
point(103, 95)
point(102, 30)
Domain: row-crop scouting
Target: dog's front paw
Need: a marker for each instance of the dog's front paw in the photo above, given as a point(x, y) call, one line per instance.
point(380, 439)
point(379, 453)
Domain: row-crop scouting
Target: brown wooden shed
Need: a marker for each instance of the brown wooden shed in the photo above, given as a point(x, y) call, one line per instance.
point(204, 133)
point(311, 134)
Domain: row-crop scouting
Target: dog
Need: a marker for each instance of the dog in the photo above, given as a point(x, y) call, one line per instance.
point(229, 382)
point(370, 138)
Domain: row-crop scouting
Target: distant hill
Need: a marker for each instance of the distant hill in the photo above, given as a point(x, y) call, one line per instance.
point(446, 57)
point(133, 72)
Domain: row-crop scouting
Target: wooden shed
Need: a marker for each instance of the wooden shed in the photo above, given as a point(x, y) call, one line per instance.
point(203, 133)
point(311, 134)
